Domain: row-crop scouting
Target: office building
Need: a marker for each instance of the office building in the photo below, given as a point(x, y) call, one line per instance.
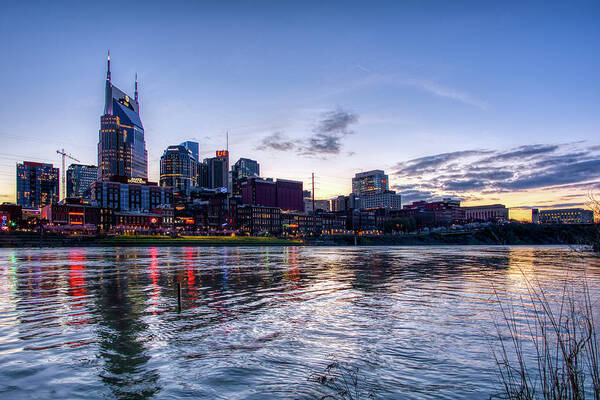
point(178, 169)
point(289, 195)
point(132, 195)
point(243, 168)
point(566, 216)
point(535, 215)
point(443, 212)
point(37, 184)
point(493, 212)
point(193, 148)
point(370, 182)
point(218, 170)
point(386, 199)
point(80, 179)
point(259, 192)
point(202, 179)
point(283, 193)
point(322, 205)
point(345, 203)
point(255, 219)
point(70, 212)
point(121, 143)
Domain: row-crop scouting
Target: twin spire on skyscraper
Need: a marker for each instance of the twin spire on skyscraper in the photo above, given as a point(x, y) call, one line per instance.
point(108, 77)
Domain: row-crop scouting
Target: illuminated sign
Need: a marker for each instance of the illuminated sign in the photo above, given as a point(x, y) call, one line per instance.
point(153, 220)
point(222, 153)
point(136, 180)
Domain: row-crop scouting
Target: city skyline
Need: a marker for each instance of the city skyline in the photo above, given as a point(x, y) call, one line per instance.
point(485, 131)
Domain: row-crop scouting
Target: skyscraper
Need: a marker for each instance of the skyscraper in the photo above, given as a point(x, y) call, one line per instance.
point(80, 179)
point(218, 170)
point(37, 184)
point(370, 182)
point(193, 147)
point(243, 168)
point(121, 145)
point(178, 168)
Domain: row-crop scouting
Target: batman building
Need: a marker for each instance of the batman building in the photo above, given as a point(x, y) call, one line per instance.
point(121, 146)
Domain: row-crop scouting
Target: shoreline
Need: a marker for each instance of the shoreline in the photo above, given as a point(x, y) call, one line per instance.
point(510, 234)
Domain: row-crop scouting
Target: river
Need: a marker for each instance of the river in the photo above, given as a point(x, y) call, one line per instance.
point(258, 322)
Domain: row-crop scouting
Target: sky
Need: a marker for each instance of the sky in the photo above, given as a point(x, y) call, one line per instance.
point(487, 102)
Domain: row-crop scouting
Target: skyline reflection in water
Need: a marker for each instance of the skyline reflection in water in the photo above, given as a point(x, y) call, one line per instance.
point(417, 321)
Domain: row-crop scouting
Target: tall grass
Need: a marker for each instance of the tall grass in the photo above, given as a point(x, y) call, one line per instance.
point(343, 381)
point(554, 355)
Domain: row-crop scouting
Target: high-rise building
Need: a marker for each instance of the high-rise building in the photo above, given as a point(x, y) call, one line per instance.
point(370, 182)
point(193, 147)
point(218, 170)
point(203, 180)
point(121, 144)
point(37, 184)
point(178, 168)
point(243, 168)
point(80, 179)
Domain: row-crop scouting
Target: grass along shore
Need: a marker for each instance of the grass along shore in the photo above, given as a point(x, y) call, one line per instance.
point(141, 240)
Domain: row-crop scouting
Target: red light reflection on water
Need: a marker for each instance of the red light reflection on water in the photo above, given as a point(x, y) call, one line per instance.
point(154, 277)
point(77, 289)
point(191, 278)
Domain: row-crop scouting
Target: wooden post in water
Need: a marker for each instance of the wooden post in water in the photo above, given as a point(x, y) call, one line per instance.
point(178, 297)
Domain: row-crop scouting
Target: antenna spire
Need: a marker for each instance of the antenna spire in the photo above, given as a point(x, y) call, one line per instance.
point(136, 88)
point(108, 67)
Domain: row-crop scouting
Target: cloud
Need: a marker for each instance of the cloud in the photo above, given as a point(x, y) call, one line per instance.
point(328, 135)
point(556, 175)
point(410, 195)
point(464, 185)
point(521, 153)
point(326, 138)
point(554, 205)
point(537, 166)
point(276, 141)
point(444, 91)
point(431, 163)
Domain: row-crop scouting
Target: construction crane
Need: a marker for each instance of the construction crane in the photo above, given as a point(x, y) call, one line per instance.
point(64, 172)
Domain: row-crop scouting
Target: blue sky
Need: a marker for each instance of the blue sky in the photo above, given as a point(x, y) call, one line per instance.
point(399, 81)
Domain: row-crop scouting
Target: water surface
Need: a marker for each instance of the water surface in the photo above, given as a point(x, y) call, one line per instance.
point(99, 323)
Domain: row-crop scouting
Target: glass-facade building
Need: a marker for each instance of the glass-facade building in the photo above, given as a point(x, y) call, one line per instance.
point(80, 179)
point(218, 170)
point(37, 184)
point(370, 182)
point(121, 144)
point(178, 168)
point(193, 148)
point(243, 168)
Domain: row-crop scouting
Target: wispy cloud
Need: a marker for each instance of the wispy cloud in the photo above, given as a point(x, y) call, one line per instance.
point(427, 85)
point(444, 91)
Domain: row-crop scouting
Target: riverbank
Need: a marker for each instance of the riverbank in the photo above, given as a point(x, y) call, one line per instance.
point(33, 239)
point(508, 234)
